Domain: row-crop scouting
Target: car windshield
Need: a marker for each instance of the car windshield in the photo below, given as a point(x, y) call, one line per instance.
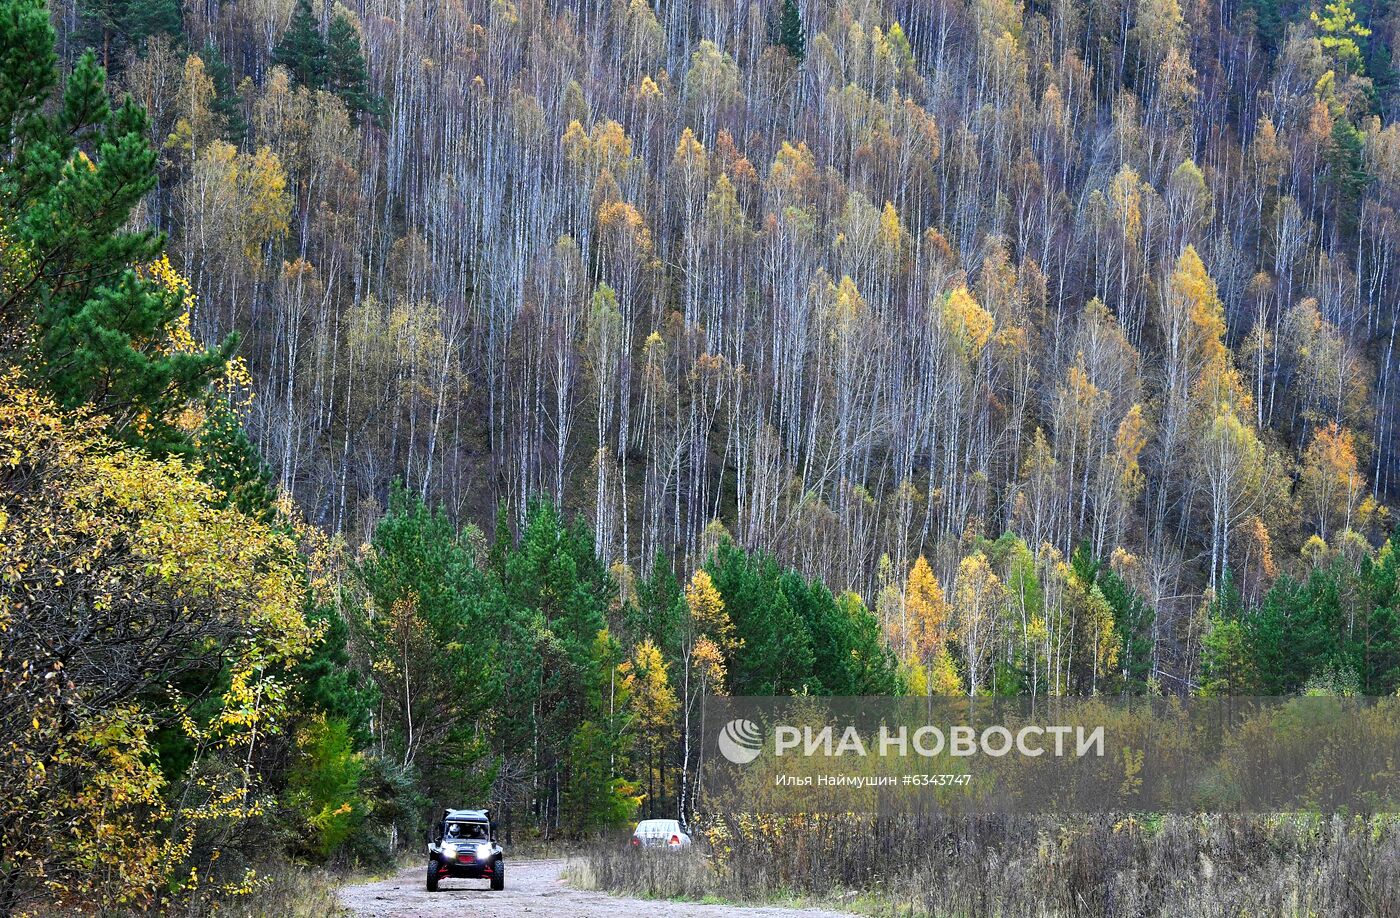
point(465, 831)
point(658, 827)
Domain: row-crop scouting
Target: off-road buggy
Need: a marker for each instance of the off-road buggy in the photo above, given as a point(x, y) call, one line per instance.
point(464, 846)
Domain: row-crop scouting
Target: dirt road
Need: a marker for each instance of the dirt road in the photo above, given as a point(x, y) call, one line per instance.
point(533, 888)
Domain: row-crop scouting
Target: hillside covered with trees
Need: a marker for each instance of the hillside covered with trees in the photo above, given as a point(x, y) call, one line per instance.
point(423, 403)
point(861, 281)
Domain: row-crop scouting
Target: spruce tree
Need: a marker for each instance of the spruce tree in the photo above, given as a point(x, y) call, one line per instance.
point(113, 27)
point(327, 684)
point(232, 464)
point(226, 102)
point(1132, 618)
point(89, 323)
point(346, 75)
point(790, 30)
point(1347, 162)
point(420, 581)
point(302, 50)
point(1379, 649)
point(145, 18)
point(774, 654)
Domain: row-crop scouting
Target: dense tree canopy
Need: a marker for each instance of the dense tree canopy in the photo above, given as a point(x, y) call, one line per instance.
point(855, 280)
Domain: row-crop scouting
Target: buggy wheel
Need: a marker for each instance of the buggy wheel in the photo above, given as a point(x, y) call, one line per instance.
point(498, 874)
point(432, 875)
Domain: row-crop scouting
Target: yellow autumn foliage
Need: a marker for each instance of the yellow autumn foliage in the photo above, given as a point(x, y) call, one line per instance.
point(970, 324)
point(707, 611)
point(1331, 487)
point(926, 610)
point(244, 195)
point(117, 570)
point(1129, 442)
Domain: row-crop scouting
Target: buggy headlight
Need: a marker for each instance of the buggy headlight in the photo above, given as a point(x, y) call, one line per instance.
point(483, 851)
point(449, 851)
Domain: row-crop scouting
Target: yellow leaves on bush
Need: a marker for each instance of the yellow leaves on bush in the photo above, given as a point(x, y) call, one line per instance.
point(116, 803)
point(136, 550)
point(166, 519)
point(236, 384)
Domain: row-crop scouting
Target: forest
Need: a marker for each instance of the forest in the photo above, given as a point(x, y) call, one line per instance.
point(431, 403)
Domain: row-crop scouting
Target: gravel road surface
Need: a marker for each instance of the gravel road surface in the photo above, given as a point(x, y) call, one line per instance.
point(536, 889)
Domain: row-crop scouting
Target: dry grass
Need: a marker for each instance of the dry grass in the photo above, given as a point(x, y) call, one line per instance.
point(281, 890)
point(1003, 866)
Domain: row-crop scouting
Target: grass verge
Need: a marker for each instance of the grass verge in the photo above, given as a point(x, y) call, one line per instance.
point(1201, 867)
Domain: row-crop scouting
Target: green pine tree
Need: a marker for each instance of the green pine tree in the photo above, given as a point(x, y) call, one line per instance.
point(551, 600)
point(1269, 22)
point(790, 36)
point(324, 788)
point(594, 798)
point(1380, 646)
point(145, 18)
point(114, 27)
point(72, 170)
point(423, 616)
point(99, 26)
point(326, 682)
point(502, 541)
point(597, 796)
point(346, 74)
point(1133, 618)
point(226, 101)
point(774, 656)
point(867, 667)
point(232, 464)
point(1347, 161)
point(1228, 653)
point(1339, 33)
point(302, 50)
point(659, 610)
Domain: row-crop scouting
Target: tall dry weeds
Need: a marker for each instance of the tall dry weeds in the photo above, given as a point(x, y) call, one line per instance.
point(1023, 866)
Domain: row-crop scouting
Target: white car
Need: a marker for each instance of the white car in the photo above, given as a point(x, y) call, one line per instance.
point(660, 833)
